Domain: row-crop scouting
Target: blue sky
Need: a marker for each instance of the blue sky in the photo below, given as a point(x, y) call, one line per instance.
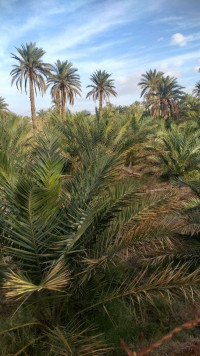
point(124, 37)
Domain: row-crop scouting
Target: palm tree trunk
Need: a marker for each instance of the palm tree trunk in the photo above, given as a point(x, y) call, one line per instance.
point(60, 110)
point(32, 100)
point(100, 104)
point(165, 109)
point(63, 107)
point(59, 105)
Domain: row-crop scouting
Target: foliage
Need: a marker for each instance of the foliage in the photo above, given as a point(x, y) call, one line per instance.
point(95, 246)
point(175, 152)
point(189, 110)
point(150, 81)
point(196, 90)
point(3, 105)
point(32, 69)
point(65, 85)
point(72, 224)
point(102, 88)
point(161, 94)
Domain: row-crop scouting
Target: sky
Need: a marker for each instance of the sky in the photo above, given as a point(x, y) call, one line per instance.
point(124, 37)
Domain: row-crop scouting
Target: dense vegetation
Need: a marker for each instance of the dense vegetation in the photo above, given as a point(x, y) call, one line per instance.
point(100, 217)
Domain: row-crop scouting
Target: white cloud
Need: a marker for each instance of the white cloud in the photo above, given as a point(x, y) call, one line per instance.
point(164, 65)
point(160, 39)
point(166, 19)
point(154, 6)
point(111, 65)
point(178, 63)
point(121, 80)
point(180, 40)
point(129, 84)
point(169, 65)
point(174, 73)
point(196, 69)
point(185, 56)
point(188, 89)
point(75, 35)
point(76, 54)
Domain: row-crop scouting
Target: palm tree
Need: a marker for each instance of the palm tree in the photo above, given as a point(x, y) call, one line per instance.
point(65, 85)
point(149, 84)
point(42, 113)
point(42, 116)
point(196, 90)
point(169, 93)
point(102, 88)
point(175, 153)
point(149, 81)
point(189, 110)
point(161, 93)
point(3, 105)
point(30, 68)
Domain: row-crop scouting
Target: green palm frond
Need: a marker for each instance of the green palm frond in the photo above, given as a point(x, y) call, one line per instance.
point(34, 203)
point(82, 241)
point(101, 83)
point(30, 67)
point(161, 94)
point(175, 152)
point(196, 90)
point(149, 81)
point(102, 88)
point(167, 283)
point(65, 85)
point(3, 105)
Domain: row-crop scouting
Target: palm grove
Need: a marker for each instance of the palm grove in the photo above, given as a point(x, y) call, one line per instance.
point(62, 77)
point(100, 216)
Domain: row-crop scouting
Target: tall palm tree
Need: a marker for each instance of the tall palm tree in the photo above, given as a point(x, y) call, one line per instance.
point(30, 68)
point(161, 93)
point(149, 81)
point(149, 85)
point(196, 90)
point(65, 85)
point(102, 88)
point(3, 105)
point(169, 93)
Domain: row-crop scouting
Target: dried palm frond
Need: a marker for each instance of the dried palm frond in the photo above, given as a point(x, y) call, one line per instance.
point(18, 286)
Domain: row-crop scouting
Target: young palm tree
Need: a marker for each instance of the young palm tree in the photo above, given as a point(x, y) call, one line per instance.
point(30, 68)
point(189, 110)
point(175, 153)
point(190, 217)
point(3, 105)
point(42, 116)
point(65, 84)
point(196, 90)
point(102, 88)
